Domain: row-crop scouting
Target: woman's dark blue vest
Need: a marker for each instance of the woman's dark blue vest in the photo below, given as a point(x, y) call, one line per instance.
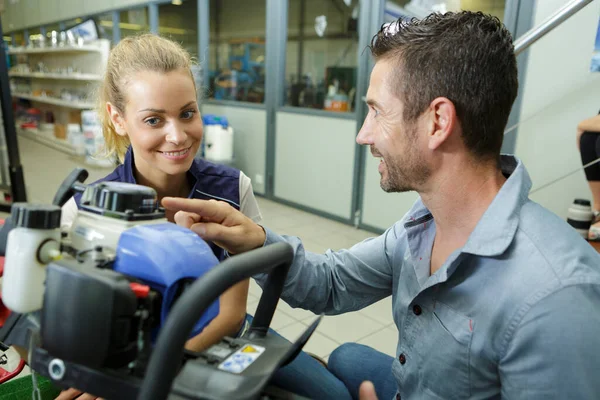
point(211, 181)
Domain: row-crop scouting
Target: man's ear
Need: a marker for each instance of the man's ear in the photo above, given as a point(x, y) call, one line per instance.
point(117, 119)
point(442, 123)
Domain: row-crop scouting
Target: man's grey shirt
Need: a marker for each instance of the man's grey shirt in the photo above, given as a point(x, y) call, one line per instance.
point(515, 313)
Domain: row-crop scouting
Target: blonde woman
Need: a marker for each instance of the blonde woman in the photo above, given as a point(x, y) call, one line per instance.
point(152, 124)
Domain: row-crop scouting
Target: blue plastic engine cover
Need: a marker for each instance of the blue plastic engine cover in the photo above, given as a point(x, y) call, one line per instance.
point(166, 257)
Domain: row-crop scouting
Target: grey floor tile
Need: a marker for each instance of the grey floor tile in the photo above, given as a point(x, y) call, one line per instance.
point(357, 235)
point(385, 340)
point(380, 311)
point(280, 319)
point(348, 327)
point(335, 241)
point(44, 169)
point(254, 289)
point(318, 344)
point(298, 314)
point(251, 306)
point(319, 246)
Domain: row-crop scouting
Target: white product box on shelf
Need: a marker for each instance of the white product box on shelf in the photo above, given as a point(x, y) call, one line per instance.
point(93, 139)
point(75, 138)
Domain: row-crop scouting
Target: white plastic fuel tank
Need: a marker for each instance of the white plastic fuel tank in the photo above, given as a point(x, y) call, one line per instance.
point(36, 232)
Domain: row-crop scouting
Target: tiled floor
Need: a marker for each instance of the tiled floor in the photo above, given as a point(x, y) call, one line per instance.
point(45, 168)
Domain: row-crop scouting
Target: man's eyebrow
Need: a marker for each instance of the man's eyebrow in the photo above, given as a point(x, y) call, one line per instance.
point(373, 103)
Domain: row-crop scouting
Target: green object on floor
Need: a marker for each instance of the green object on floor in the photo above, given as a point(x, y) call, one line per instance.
point(22, 388)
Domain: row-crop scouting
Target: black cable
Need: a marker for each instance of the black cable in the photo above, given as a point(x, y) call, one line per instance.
point(166, 357)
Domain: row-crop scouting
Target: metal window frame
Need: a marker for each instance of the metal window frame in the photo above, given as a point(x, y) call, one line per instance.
point(317, 113)
point(234, 103)
point(518, 18)
point(153, 17)
point(276, 29)
point(203, 30)
point(116, 29)
point(370, 19)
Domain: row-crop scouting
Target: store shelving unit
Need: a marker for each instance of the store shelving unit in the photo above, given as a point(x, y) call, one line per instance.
point(48, 140)
point(55, 101)
point(98, 47)
point(64, 77)
point(46, 83)
point(12, 182)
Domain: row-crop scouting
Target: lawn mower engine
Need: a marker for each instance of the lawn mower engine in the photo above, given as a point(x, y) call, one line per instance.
point(117, 297)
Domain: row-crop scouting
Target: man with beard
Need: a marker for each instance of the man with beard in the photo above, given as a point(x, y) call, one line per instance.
point(493, 295)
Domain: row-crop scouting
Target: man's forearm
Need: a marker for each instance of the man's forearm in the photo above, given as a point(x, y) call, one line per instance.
point(335, 282)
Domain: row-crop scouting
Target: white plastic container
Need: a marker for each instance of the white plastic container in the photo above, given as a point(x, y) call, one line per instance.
point(36, 232)
point(218, 143)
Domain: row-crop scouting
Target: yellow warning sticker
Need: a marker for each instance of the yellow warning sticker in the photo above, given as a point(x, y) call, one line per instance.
point(250, 349)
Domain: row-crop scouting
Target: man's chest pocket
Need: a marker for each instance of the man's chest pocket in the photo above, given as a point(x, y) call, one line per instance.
point(446, 354)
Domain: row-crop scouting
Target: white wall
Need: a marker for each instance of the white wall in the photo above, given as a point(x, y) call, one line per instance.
point(249, 140)
point(559, 91)
point(314, 162)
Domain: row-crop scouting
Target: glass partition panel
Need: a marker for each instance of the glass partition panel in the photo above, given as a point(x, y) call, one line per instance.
point(105, 26)
point(134, 22)
point(321, 55)
point(411, 8)
point(237, 50)
point(178, 21)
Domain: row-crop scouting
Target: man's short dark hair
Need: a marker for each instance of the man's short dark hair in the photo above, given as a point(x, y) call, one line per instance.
point(467, 57)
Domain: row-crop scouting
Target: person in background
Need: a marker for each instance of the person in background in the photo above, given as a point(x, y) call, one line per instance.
point(588, 144)
point(493, 295)
point(152, 124)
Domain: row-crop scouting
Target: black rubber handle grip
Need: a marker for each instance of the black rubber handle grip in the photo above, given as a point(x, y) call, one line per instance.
point(70, 186)
point(168, 351)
